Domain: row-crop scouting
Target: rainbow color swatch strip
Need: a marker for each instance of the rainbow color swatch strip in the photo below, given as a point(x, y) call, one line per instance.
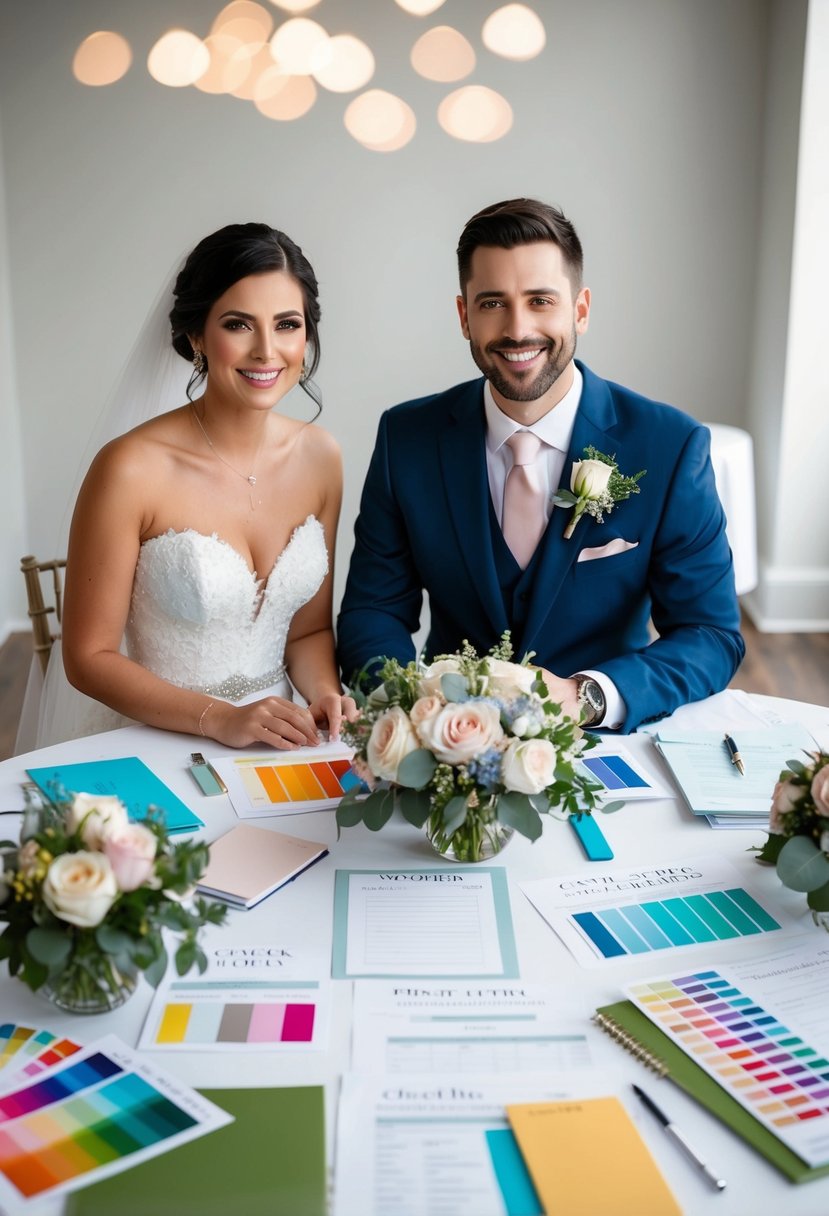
point(280, 783)
point(663, 924)
point(40, 1049)
point(251, 1023)
point(88, 1115)
point(770, 1069)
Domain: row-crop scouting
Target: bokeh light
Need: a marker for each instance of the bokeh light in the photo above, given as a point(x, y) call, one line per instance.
point(283, 97)
point(245, 20)
point(420, 8)
point(299, 46)
point(178, 58)
point(443, 54)
point(230, 64)
point(515, 32)
point(380, 121)
point(258, 65)
point(348, 64)
point(295, 6)
point(475, 114)
point(102, 58)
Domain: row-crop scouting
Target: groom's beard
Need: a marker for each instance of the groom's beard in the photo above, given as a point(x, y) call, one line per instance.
point(523, 385)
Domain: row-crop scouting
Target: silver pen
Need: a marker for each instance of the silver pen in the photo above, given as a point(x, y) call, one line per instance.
point(681, 1139)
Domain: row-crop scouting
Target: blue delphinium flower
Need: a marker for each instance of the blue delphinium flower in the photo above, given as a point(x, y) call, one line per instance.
point(486, 769)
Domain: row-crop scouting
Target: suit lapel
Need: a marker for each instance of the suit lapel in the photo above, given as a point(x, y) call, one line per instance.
point(595, 417)
point(462, 447)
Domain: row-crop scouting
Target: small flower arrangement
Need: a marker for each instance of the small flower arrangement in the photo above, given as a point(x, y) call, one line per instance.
point(471, 747)
point(798, 840)
point(596, 485)
point(86, 894)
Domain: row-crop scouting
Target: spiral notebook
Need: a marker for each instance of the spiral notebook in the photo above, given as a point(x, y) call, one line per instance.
point(638, 1035)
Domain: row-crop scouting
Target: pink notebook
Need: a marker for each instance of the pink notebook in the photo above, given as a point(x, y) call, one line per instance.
point(248, 864)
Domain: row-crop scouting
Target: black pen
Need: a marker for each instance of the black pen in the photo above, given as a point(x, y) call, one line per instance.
point(678, 1136)
point(734, 755)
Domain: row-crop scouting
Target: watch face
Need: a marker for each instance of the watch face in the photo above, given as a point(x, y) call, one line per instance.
point(592, 699)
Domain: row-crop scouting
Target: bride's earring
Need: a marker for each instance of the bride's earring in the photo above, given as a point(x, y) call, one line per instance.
point(199, 363)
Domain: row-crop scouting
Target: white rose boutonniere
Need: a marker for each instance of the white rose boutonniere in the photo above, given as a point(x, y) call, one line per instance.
point(596, 485)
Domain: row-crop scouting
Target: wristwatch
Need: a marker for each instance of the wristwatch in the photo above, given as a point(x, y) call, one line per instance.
point(590, 699)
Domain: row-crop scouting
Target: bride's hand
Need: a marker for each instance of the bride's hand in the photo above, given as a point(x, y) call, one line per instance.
point(329, 710)
point(273, 720)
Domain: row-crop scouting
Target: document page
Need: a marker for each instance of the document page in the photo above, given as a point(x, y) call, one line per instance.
point(429, 923)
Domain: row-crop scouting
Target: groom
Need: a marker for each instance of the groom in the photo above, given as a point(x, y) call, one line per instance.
point(458, 503)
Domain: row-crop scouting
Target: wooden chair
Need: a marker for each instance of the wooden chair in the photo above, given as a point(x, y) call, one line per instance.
point(38, 609)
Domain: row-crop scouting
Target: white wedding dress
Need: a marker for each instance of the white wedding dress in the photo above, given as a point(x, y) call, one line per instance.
point(201, 620)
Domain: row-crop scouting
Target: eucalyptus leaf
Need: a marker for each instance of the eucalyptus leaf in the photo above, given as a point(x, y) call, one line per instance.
point(454, 814)
point(377, 809)
point(565, 498)
point(541, 803)
point(113, 941)
point(794, 766)
point(517, 811)
point(349, 813)
point(414, 807)
point(454, 686)
point(771, 849)
point(48, 946)
point(801, 866)
point(818, 900)
point(610, 808)
point(416, 769)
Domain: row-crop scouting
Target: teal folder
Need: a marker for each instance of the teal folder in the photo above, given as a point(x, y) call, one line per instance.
point(270, 1162)
point(129, 779)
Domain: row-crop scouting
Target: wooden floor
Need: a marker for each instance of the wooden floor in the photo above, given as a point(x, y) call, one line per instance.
point(794, 665)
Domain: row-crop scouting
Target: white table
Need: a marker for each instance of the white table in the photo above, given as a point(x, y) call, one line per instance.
point(302, 912)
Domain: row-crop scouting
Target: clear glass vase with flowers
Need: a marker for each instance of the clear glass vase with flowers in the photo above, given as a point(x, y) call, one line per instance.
point(86, 895)
point(798, 840)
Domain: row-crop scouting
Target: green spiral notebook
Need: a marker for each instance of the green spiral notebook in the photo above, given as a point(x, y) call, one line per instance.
point(272, 1159)
point(644, 1040)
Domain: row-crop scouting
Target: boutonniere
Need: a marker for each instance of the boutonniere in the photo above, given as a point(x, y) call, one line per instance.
point(596, 485)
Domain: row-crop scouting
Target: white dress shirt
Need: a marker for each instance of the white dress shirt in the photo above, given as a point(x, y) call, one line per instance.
point(555, 430)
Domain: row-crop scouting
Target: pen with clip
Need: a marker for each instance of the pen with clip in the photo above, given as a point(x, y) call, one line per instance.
point(734, 755)
point(674, 1132)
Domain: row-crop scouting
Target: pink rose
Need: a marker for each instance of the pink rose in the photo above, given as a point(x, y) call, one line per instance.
point(782, 801)
point(820, 790)
point(131, 852)
point(529, 765)
point(392, 738)
point(461, 731)
point(423, 709)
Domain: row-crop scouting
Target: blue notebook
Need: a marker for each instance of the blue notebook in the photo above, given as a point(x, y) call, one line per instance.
point(128, 778)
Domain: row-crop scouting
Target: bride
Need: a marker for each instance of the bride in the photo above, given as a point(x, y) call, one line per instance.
point(204, 537)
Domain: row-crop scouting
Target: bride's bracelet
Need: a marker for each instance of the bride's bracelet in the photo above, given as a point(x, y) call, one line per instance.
point(204, 714)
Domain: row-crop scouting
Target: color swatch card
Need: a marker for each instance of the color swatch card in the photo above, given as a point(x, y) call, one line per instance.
point(287, 783)
point(563, 1142)
point(102, 1111)
point(465, 1029)
point(424, 923)
point(250, 998)
point(623, 777)
point(749, 1046)
point(26, 1051)
point(616, 914)
point(247, 864)
point(129, 779)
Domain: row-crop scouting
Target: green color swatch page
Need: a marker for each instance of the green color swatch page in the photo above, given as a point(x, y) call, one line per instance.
point(270, 1160)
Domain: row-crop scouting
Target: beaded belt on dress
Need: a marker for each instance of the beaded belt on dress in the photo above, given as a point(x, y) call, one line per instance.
point(237, 686)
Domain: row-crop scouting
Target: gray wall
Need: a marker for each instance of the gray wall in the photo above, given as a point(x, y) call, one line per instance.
point(644, 119)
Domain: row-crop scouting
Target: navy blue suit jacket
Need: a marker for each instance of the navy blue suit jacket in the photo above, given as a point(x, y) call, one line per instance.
point(424, 524)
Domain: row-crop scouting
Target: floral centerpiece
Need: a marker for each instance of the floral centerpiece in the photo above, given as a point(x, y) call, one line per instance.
point(798, 840)
point(471, 747)
point(86, 894)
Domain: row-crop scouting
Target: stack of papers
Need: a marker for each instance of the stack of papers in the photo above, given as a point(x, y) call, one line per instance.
point(712, 786)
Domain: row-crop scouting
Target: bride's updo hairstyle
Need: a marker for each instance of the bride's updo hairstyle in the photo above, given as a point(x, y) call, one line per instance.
point(222, 259)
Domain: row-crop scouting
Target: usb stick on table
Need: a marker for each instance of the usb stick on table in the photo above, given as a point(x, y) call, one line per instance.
point(591, 838)
point(205, 775)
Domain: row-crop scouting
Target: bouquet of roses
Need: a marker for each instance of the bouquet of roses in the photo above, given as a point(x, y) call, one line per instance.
point(472, 747)
point(86, 894)
point(798, 841)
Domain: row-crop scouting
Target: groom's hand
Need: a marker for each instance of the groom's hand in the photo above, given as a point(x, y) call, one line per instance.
point(563, 692)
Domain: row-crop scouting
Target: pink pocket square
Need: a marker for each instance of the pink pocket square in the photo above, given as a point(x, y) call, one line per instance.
point(612, 547)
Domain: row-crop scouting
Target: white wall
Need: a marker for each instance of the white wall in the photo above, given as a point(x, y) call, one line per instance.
point(642, 118)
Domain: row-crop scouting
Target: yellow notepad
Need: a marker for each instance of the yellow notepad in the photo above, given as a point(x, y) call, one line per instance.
point(587, 1157)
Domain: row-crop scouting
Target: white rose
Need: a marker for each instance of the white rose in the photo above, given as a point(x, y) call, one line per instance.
point(529, 765)
point(589, 478)
point(430, 680)
point(94, 814)
point(461, 731)
point(80, 888)
point(509, 679)
point(392, 738)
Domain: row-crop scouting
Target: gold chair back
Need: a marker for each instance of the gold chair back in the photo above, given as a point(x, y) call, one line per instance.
point(39, 610)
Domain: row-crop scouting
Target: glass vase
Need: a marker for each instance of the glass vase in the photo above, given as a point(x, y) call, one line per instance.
point(480, 838)
point(90, 982)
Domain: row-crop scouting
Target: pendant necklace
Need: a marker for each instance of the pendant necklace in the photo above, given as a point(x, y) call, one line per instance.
point(250, 478)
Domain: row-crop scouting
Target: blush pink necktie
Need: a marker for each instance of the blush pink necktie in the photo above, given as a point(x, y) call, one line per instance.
point(524, 518)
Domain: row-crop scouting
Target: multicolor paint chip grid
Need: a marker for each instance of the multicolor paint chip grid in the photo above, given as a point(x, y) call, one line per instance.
point(282, 783)
point(30, 1051)
point(770, 1069)
point(85, 1116)
point(244, 1023)
point(664, 924)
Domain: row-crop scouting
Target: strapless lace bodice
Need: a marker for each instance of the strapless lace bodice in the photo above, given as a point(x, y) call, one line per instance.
point(201, 620)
